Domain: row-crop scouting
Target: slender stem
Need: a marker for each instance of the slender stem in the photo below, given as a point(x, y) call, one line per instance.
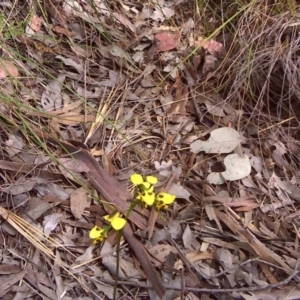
point(130, 209)
point(119, 234)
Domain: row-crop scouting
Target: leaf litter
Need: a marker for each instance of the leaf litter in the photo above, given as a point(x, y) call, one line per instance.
point(88, 84)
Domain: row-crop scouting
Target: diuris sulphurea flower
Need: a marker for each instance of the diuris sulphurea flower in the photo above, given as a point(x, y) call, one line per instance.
point(144, 188)
point(163, 200)
point(116, 222)
point(144, 192)
point(98, 234)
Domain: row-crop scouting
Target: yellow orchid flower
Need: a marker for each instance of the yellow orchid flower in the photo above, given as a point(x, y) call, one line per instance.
point(144, 191)
point(116, 222)
point(163, 200)
point(98, 234)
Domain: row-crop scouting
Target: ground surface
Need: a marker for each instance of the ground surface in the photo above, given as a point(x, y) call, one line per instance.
point(202, 95)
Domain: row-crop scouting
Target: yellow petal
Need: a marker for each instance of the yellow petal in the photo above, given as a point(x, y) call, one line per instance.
point(118, 223)
point(147, 186)
point(148, 198)
point(99, 240)
point(160, 205)
point(96, 232)
point(136, 179)
point(165, 198)
point(151, 179)
point(110, 218)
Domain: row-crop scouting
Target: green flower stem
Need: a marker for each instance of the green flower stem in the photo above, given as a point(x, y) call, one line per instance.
point(131, 208)
point(119, 235)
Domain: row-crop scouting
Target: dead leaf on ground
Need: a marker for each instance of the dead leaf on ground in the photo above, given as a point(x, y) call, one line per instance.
point(51, 98)
point(189, 239)
point(221, 140)
point(34, 25)
point(8, 69)
point(20, 187)
point(160, 252)
point(214, 48)
point(79, 200)
point(179, 191)
point(14, 144)
point(165, 41)
point(50, 222)
point(9, 269)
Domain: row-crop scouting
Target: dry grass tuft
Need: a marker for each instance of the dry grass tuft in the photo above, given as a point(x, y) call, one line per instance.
point(262, 74)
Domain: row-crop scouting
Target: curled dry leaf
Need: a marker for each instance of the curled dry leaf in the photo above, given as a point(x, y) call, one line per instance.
point(74, 62)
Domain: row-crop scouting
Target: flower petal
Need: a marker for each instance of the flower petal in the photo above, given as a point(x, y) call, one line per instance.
point(118, 223)
point(163, 200)
point(148, 198)
point(136, 179)
point(110, 218)
point(160, 205)
point(151, 179)
point(99, 240)
point(97, 232)
point(146, 186)
point(166, 198)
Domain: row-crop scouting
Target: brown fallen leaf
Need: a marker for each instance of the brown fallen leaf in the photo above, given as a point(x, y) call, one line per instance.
point(71, 164)
point(79, 200)
point(165, 41)
point(8, 69)
point(20, 187)
point(9, 269)
point(35, 23)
